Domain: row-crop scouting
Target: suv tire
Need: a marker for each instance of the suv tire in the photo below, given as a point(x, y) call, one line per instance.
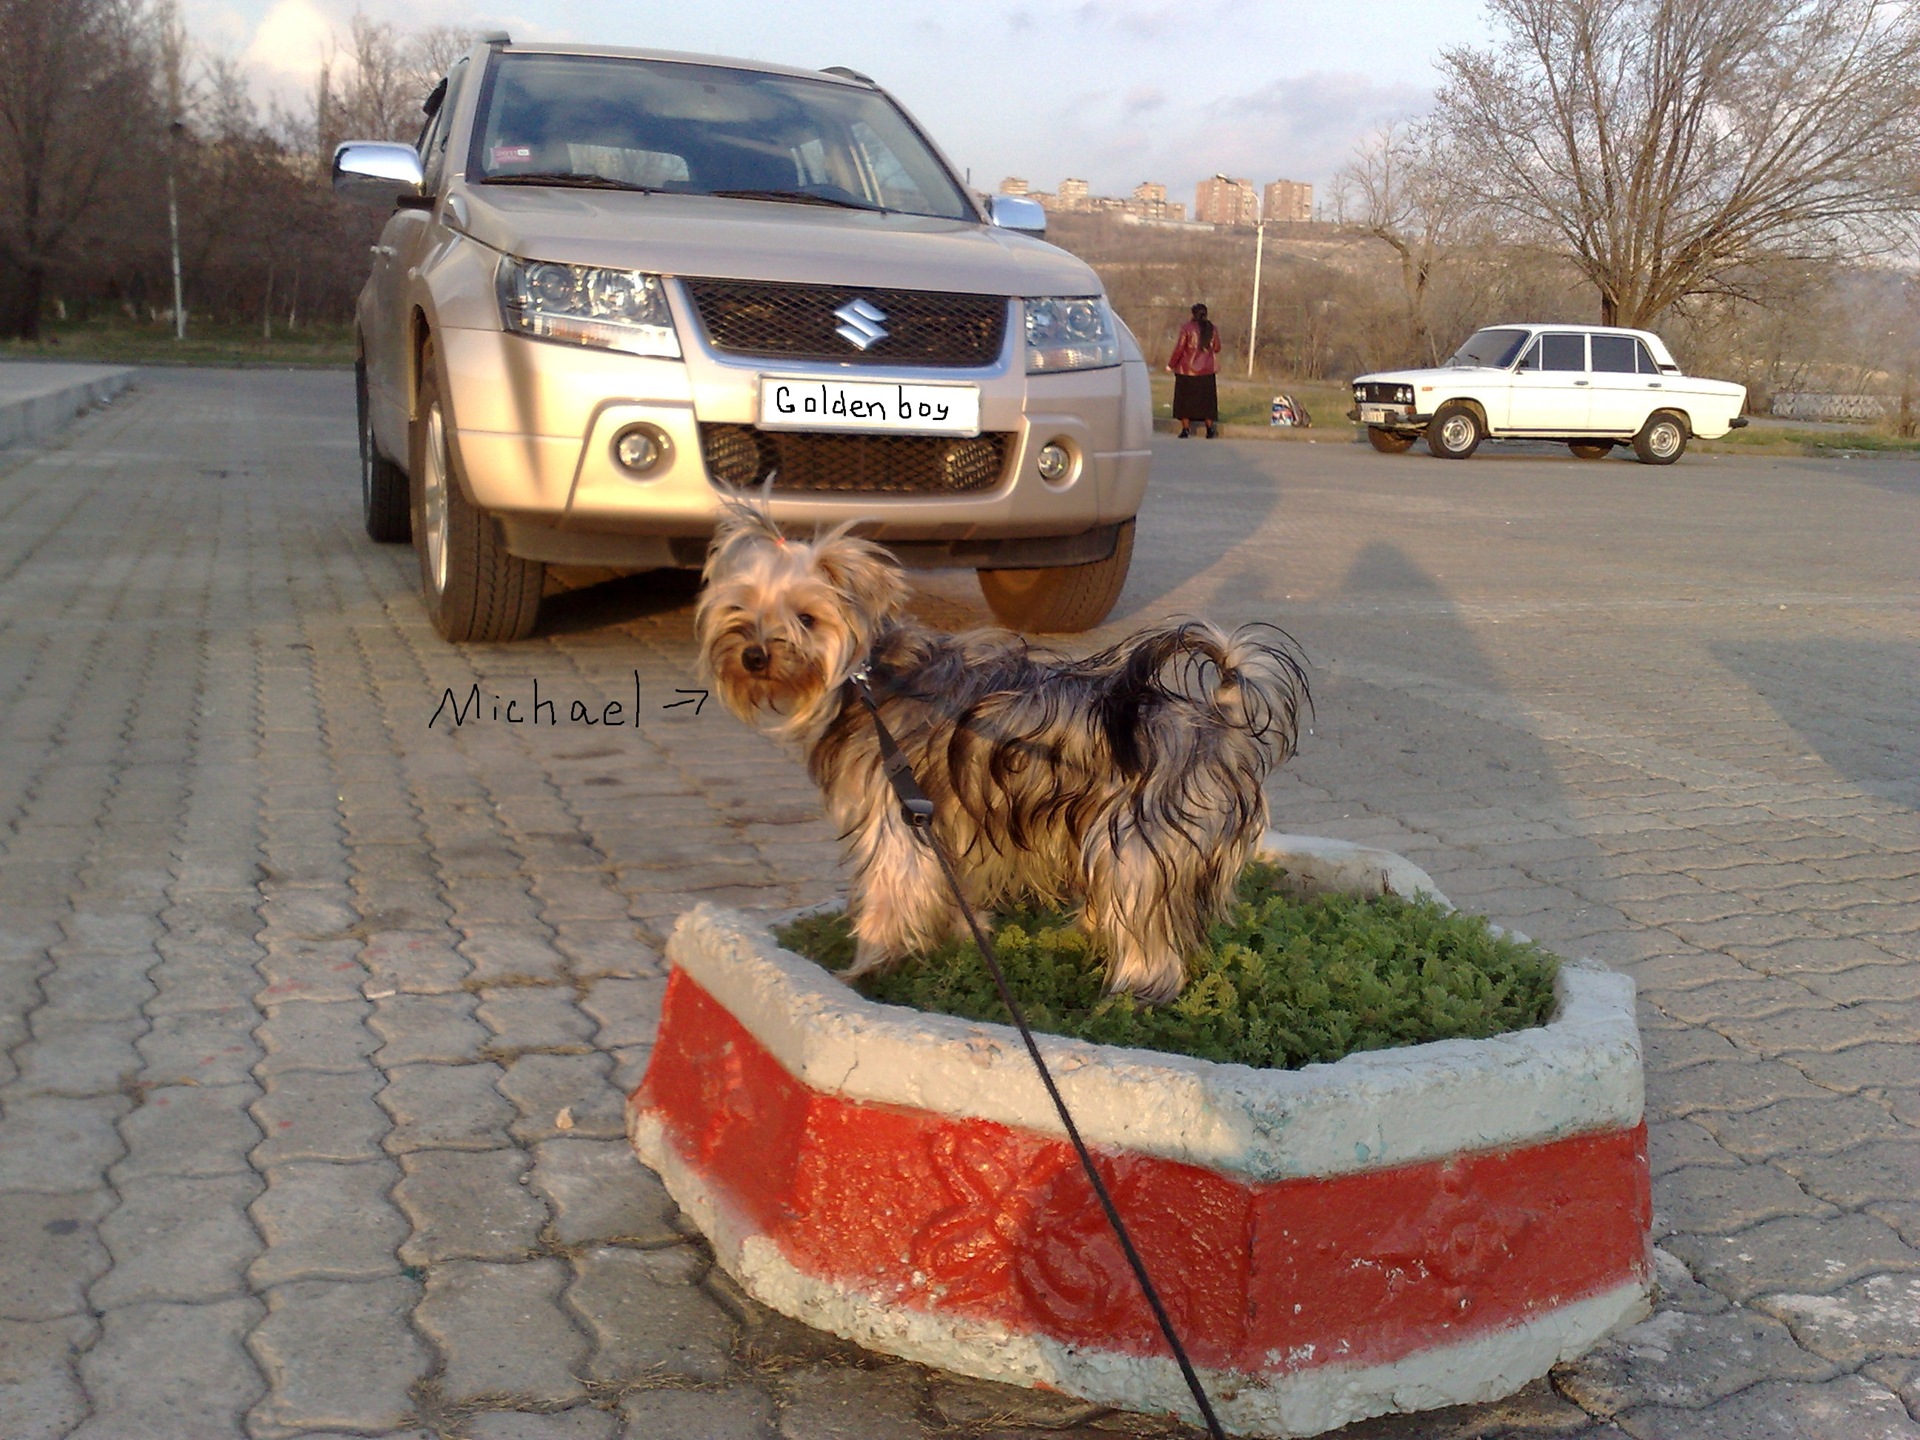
point(1389, 443)
point(1455, 431)
point(385, 506)
point(474, 590)
point(1062, 599)
point(1662, 440)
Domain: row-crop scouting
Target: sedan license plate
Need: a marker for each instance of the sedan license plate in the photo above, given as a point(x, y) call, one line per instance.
point(875, 407)
point(1381, 414)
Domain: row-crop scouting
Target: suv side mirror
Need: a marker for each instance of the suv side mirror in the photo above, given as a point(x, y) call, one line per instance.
point(1016, 212)
point(376, 172)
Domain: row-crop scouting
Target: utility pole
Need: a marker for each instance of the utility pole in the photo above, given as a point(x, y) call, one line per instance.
point(173, 228)
point(1253, 325)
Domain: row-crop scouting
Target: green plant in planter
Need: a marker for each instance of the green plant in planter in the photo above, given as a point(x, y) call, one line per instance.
point(1285, 981)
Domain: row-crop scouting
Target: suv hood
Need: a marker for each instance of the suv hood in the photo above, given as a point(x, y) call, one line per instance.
point(700, 235)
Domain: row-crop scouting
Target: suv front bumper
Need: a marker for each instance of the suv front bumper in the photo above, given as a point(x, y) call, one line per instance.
point(534, 423)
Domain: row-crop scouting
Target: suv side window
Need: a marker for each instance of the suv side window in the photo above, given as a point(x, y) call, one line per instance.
point(1563, 352)
point(1616, 354)
point(433, 144)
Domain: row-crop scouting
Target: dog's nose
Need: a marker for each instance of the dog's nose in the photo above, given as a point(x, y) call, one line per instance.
point(754, 657)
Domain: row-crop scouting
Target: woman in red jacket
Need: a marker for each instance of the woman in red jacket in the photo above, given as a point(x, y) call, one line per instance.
point(1196, 398)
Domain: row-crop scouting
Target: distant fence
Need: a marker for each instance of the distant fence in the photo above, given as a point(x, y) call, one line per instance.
point(1806, 405)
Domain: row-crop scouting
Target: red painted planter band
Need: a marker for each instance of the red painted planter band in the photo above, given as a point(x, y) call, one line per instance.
point(973, 1218)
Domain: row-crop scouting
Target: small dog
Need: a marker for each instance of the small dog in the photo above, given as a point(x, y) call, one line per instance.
point(1129, 783)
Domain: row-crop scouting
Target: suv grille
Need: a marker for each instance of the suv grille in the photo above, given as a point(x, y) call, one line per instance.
point(739, 456)
point(798, 322)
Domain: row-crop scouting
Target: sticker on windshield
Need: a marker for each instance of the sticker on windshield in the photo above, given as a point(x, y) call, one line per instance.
point(511, 154)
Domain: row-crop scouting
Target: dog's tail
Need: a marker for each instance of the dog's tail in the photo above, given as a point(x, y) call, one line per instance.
point(1254, 680)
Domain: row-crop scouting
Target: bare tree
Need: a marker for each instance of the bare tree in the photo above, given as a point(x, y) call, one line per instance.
point(1663, 145)
point(1402, 189)
point(75, 105)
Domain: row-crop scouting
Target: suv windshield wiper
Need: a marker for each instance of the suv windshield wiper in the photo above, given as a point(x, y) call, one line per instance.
point(797, 197)
point(572, 178)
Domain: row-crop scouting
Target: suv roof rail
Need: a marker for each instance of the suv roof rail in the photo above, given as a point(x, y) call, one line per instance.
point(848, 74)
point(495, 37)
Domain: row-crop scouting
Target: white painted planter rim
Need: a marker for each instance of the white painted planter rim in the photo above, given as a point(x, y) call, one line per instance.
point(1380, 1108)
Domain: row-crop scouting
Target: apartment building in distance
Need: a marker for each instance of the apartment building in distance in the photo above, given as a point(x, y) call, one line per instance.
point(1148, 201)
point(1288, 200)
point(1221, 200)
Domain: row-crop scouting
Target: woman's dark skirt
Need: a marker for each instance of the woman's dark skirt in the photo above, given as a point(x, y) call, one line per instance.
point(1196, 397)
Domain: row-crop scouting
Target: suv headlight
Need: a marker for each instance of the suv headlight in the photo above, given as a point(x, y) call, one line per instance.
point(1073, 332)
point(611, 309)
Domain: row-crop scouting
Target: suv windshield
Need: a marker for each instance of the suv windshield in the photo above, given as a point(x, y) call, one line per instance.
point(663, 125)
point(1492, 349)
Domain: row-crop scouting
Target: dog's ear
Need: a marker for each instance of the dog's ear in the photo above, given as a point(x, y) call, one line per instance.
point(862, 571)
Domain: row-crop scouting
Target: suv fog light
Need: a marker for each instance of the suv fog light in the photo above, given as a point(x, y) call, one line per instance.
point(1056, 461)
point(641, 449)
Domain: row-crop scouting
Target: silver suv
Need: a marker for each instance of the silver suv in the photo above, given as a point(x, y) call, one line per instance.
point(617, 283)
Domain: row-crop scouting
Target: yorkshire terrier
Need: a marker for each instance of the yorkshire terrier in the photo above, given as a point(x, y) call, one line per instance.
point(1129, 783)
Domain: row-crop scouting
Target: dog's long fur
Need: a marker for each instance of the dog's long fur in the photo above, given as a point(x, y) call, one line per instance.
point(1130, 782)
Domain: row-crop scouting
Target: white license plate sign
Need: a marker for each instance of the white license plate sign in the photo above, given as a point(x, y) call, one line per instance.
point(1381, 414)
point(870, 406)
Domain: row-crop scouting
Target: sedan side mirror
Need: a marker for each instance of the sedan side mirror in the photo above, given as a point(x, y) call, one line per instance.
point(1016, 212)
point(377, 172)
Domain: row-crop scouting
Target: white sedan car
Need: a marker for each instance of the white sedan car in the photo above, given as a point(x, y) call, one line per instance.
point(1591, 386)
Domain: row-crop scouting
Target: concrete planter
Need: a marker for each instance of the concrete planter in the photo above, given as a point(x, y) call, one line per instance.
point(1401, 1230)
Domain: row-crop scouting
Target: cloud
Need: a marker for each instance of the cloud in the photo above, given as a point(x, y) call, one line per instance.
point(291, 41)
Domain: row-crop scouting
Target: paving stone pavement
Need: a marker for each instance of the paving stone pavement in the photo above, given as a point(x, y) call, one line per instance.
point(315, 1018)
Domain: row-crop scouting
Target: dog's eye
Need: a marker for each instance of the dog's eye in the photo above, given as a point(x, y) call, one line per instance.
point(806, 622)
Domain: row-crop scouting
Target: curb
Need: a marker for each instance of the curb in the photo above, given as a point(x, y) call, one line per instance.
point(39, 400)
point(1400, 1230)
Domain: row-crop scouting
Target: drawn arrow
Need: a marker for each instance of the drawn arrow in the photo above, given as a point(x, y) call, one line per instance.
point(696, 703)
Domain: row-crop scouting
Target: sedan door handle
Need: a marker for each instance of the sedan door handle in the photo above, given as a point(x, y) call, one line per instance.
point(1582, 382)
point(1654, 385)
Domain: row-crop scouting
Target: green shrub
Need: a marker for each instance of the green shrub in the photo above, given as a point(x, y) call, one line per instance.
point(1285, 981)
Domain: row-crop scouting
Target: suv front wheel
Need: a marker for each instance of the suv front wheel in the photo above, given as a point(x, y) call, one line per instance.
point(474, 589)
point(383, 484)
point(1063, 599)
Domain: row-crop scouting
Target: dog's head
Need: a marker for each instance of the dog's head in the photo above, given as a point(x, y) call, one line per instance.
point(782, 623)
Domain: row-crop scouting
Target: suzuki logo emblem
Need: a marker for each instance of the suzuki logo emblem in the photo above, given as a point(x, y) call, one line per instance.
point(862, 328)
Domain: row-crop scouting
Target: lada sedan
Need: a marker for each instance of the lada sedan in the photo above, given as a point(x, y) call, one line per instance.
point(616, 286)
point(1592, 386)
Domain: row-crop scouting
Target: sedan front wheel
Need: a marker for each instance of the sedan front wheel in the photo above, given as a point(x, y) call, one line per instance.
point(1455, 432)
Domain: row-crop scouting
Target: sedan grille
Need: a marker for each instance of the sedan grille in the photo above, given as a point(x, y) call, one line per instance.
point(824, 322)
point(741, 456)
point(1374, 392)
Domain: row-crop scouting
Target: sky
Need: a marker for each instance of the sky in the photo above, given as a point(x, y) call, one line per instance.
point(1113, 93)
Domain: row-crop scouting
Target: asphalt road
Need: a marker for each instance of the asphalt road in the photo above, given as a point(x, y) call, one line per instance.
point(315, 1018)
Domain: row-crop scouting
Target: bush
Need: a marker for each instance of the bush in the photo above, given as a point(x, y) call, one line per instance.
point(1285, 981)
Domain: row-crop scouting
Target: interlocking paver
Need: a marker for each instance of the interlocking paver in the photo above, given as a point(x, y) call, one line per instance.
point(737, 1413)
point(176, 1238)
point(49, 1253)
point(647, 1316)
point(54, 1143)
point(1800, 1126)
point(318, 1116)
point(1687, 1361)
point(599, 1191)
point(535, 1017)
point(164, 1372)
point(1877, 1170)
point(1850, 1408)
point(189, 1130)
point(415, 1028)
point(317, 1036)
point(1816, 1255)
point(501, 1331)
point(446, 1107)
point(325, 1220)
point(201, 1047)
point(338, 1354)
point(577, 1424)
point(564, 1094)
point(853, 1404)
point(468, 1205)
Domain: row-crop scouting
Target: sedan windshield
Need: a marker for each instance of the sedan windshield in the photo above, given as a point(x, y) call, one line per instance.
point(660, 125)
point(1489, 349)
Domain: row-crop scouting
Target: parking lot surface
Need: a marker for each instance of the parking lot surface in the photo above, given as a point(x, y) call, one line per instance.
point(317, 1011)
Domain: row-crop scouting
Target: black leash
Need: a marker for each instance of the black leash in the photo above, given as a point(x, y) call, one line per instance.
point(917, 810)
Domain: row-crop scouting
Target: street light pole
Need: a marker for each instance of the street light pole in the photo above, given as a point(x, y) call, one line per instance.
point(1253, 325)
point(173, 230)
